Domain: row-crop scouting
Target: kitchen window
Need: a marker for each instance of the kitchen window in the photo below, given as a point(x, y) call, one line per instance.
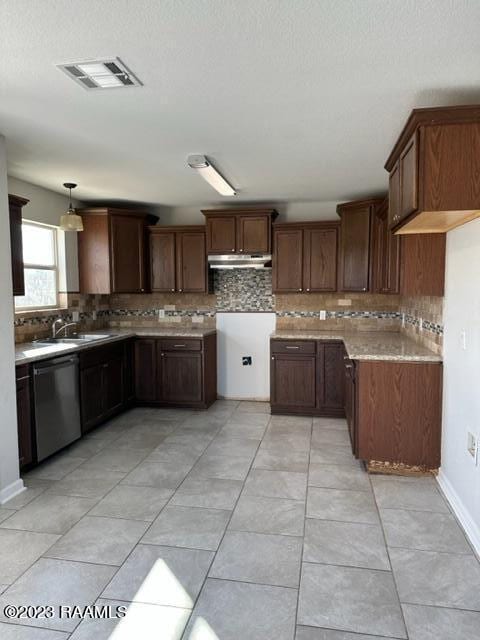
point(40, 267)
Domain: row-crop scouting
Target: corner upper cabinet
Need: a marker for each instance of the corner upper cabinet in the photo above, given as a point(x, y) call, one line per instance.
point(15, 204)
point(305, 257)
point(385, 253)
point(434, 168)
point(178, 259)
point(355, 244)
point(239, 230)
point(112, 251)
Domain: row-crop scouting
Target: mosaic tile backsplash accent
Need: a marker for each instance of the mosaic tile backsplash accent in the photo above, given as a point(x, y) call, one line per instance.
point(244, 290)
point(428, 309)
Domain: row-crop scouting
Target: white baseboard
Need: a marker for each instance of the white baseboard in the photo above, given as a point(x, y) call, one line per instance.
point(472, 530)
point(11, 491)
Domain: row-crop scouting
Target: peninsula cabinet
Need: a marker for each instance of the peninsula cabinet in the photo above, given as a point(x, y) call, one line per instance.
point(355, 257)
point(15, 205)
point(112, 251)
point(239, 230)
point(433, 170)
point(306, 377)
point(178, 259)
point(305, 257)
point(24, 416)
point(179, 372)
point(396, 415)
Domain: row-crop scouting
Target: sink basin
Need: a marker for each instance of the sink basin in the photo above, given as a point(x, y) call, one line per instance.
point(78, 339)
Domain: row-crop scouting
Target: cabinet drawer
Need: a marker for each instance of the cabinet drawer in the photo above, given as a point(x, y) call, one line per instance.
point(180, 344)
point(293, 346)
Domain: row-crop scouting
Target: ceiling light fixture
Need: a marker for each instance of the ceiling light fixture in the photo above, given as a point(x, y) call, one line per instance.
point(71, 221)
point(208, 172)
point(111, 73)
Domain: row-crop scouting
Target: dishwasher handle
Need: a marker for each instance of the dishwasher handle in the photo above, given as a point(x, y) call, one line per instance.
point(56, 363)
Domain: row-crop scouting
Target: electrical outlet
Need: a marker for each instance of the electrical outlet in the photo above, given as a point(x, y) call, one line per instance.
point(420, 324)
point(161, 313)
point(323, 314)
point(472, 446)
point(198, 319)
point(75, 316)
point(403, 319)
point(94, 314)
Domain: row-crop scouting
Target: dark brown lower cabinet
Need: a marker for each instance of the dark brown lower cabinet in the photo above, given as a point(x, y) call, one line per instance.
point(177, 372)
point(397, 415)
point(24, 416)
point(306, 377)
point(350, 408)
point(102, 388)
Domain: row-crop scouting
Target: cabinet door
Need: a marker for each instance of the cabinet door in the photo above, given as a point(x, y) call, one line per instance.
point(385, 256)
point(394, 195)
point(330, 378)
point(288, 260)
point(128, 371)
point(320, 259)
point(145, 370)
point(221, 231)
point(16, 246)
point(191, 262)
point(91, 396)
point(409, 179)
point(292, 381)
point(25, 449)
point(355, 250)
point(350, 403)
point(162, 261)
point(113, 385)
point(253, 234)
point(127, 254)
point(181, 377)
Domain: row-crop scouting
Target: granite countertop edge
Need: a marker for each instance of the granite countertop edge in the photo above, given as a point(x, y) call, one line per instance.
point(371, 346)
point(27, 352)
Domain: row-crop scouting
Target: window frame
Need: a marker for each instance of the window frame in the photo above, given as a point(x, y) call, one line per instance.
point(54, 267)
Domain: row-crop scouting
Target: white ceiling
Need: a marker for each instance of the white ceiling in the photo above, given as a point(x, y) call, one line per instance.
point(295, 100)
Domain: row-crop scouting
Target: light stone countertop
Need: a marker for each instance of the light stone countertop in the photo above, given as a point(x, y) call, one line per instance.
point(26, 352)
point(369, 345)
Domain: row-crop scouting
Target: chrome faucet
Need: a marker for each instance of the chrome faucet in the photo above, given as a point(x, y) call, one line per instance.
point(64, 326)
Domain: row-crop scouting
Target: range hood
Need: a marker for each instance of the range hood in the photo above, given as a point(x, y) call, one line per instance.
point(237, 261)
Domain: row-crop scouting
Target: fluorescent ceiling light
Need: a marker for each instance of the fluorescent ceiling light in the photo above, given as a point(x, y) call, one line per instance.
point(101, 74)
point(211, 175)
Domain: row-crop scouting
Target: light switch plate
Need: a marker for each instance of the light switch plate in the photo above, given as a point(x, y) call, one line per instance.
point(75, 316)
point(323, 314)
point(161, 313)
point(472, 446)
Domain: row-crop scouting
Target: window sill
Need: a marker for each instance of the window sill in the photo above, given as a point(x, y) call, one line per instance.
point(44, 311)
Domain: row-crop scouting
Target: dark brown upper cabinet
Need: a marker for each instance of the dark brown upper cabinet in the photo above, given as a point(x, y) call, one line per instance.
point(178, 259)
point(305, 257)
point(434, 168)
point(385, 253)
point(239, 230)
point(112, 251)
point(355, 244)
point(15, 204)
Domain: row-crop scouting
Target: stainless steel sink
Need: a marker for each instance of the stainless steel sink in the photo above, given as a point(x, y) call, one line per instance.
point(78, 339)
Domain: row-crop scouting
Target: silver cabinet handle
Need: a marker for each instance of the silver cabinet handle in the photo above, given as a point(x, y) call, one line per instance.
point(299, 289)
point(273, 358)
point(292, 347)
point(172, 289)
point(179, 345)
point(180, 290)
point(307, 289)
point(233, 249)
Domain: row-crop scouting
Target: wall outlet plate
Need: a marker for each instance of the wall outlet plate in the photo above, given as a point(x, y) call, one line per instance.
point(198, 319)
point(75, 316)
point(420, 325)
point(94, 314)
point(472, 446)
point(323, 314)
point(161, 313)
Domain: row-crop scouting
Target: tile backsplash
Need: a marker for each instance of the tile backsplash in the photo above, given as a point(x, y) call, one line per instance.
point(247, 290)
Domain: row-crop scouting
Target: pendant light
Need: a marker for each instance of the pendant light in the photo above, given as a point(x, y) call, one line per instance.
point(71, 221)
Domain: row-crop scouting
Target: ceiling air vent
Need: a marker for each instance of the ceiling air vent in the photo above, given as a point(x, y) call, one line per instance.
point(101, 74)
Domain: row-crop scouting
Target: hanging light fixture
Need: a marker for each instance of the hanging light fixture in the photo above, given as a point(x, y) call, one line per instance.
point(71, 221)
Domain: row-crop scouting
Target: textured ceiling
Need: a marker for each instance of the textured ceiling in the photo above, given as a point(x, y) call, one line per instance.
point(294, 99)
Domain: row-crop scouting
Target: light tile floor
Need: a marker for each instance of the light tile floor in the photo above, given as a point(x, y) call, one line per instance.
point(231, 524)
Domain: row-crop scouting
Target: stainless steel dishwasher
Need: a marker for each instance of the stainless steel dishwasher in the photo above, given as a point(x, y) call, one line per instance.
point(57, 404)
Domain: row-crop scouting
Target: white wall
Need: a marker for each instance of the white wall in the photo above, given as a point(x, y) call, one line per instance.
point(244, 334)
point(288, 212)
point(9, 473)
point(459, 477)
point(47, 206)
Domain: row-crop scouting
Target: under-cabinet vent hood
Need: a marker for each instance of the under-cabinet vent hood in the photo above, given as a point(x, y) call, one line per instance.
point(237, 261)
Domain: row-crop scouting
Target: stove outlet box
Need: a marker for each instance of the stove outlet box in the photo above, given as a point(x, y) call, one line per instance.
point(246, 360)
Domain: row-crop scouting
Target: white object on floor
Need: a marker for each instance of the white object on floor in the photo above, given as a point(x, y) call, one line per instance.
point(238, 335)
